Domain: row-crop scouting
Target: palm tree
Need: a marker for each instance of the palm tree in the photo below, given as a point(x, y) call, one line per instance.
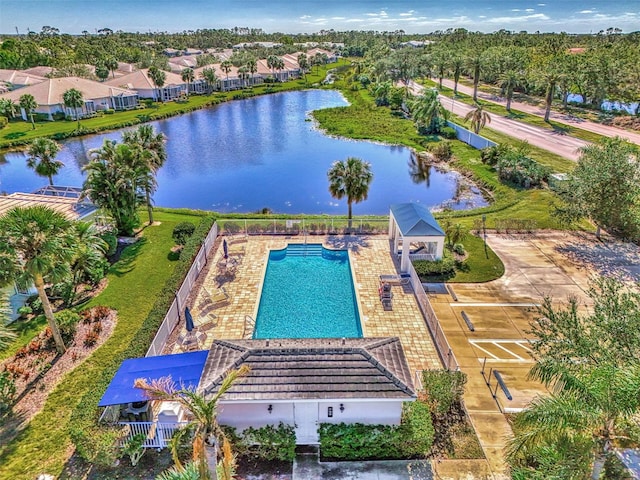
point(36, 246)
point(188, 472)
point(112, 65)
point(158, 78)
point(209, 74)
point(428, 113)
point(28, 103)
point(204, 412)
point(474, 64)
point(278, 64)
point(508, 81)
point(456, 64)
point(151, 149)
point(114, 179)
point(351, 179)
point(243, 73)
point(88, 253)
point(41, 157)
point(271, 63)
point(187, 76)
point(73, 99)
point(252, 67)
point(8, 108)
point(303, 63)
point(226, 68)
point(478, 117)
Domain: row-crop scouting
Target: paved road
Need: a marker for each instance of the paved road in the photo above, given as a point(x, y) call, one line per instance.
point(563, 145)
point(563, 118)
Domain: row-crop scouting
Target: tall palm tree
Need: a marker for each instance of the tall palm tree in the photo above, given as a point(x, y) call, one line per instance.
point(474, 63)
point(252, 67)
point(351, 179)
point(204, 413)
point(428, 113)
point(303, 63)
point(28, 103)
point(478, 117)
point(112, 65)
point(73, 99)
point(151, 149)
point(508, 81)
point(88, 253)
point(243, 73)
point(158, 77)
point(187, 76)
point(278, 64)
point(226, 68)
point(36, 246)
point(271, 63)
point(8, 108)
point(41, 158)
point(209, 74)
point(456, 63)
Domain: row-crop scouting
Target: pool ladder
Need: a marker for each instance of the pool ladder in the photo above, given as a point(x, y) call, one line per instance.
point(249, 326)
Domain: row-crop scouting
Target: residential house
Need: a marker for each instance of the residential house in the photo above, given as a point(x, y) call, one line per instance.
point(140, 82)
point(49, 93)
point(13, 79)
point(331, 57)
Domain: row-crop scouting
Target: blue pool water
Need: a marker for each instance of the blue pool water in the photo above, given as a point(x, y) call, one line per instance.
point(308, 293)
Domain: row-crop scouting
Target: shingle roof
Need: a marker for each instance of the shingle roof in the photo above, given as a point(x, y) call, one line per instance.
point(288, 369)
point(415, 220)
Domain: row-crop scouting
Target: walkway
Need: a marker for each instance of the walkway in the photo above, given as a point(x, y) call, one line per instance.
point(563, 118)
point(563, 145)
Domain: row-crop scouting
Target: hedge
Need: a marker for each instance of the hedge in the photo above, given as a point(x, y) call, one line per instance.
point(95, 442)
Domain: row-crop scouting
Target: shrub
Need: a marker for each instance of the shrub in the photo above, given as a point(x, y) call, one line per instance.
point(443, 388)
point(25, 310)
point(109, 111)
point(491, 155)
point(357, 441)
point(7, 392)
point(459, 248)
point(444, 266)
point(111, 240)
point(58, 116)
point(67, 322)
point(272, 443)
point(36, 305)
point(3, 122)
point(182, 232)
point(417, 429)
point(442, 151)
point(448, 133)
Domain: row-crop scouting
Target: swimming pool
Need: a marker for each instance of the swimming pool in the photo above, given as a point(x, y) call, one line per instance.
point(308, 293)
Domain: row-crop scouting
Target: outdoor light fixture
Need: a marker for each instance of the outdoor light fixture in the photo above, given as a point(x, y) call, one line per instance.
point(341, 407)
point(270, 408)
point(330, 412)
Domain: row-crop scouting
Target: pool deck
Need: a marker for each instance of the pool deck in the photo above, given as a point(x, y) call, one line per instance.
point(242, 278)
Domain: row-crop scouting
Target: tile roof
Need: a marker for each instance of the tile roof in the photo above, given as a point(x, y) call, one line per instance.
point(51, 90)
point(322, 368)
point(140, 80)
point(19, 78)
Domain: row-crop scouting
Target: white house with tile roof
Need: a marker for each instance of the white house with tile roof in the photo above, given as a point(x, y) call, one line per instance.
point(140, 82)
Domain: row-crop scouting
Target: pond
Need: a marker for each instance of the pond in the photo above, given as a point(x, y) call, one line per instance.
point(263, 152)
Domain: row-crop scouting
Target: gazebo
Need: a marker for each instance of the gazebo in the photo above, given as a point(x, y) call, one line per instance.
point(412, 224)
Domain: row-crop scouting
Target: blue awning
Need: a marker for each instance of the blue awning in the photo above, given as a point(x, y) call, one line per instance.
point(185, 370)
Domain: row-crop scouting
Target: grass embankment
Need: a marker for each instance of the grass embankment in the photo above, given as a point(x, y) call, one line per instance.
point(26, 330)
point(535, 120)
point(135, 282)
point(19, 132)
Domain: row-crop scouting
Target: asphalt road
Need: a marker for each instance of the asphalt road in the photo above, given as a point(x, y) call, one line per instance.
point(563, 145)
point(587, 125)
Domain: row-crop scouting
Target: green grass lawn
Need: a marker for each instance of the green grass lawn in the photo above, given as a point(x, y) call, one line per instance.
point(482, 264)
point(134, 283)
point(26, 330)
point(22, 132)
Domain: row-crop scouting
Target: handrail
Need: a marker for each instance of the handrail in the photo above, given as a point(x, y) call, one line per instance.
point(249, 327)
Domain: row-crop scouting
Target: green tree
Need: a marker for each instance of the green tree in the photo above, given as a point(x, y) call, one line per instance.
point(152, 153)
point(351, 179)
point(209, 74)
point(187, 76)
point(590, 361)
point(456, 64)
point(604, 187)
point(158, 77)
point(508, 81)
point(303, 63)
point(7, 333)
point(28, 103)
point(41, 157)
point(8, 108)
point(428, 113)
point(114, 177)
point(474, 64)
point(203, 410)
point(226, 67)
point(36, 246)
point(102, 72)
point(252, 67)
point(73, 98)
point(112, 65)
point(478, 118)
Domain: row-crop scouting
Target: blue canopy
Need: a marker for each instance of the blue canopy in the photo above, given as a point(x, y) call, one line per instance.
point(185, 370)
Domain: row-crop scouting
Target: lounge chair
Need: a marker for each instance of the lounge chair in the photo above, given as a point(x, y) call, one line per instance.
point(206, 322)
point(218, 297)
point(387, 303)
point(402, 279)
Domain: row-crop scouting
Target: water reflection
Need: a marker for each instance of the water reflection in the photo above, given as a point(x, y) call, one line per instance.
point(261, 153)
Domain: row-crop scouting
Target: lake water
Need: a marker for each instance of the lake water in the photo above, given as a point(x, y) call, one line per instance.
point(242, 156)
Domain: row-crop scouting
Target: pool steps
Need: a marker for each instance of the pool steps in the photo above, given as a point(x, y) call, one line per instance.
point(304, 250)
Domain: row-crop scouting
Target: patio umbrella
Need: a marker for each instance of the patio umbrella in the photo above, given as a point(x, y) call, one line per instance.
point(188, 319)
point(225, 248)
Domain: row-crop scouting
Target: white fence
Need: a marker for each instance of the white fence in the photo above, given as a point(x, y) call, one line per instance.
point(440, 341)
point(177, 306)
point(157, 434)
point(470, 138)
point(304, 226)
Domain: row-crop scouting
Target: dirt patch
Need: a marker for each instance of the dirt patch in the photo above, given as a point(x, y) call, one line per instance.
point(37, 369)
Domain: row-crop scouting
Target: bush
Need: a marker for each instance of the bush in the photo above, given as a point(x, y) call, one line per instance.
point(182, 232)
point(109, 111)
point(7, 392)
point(491, 155)
point(448, 133)
point(425, 268)
point(3, 122)
point(357, 441)
point(36, 305)
point(25, 310)
point(272, 443)
point(443, 389)
point(417, 428)
point(459, 248)
point(58, 116)
point(67, 322)
point(111, 240)
point(442, 151)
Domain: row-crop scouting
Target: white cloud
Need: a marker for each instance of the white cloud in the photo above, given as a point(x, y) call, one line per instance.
point(407, 14)
point(383, 13)
point(529, 10)
point(338, 18)
point(515, 10)
point(304, 17)
point(587, 11)
point(482, 16)
point(542, 4)
point(518, 19)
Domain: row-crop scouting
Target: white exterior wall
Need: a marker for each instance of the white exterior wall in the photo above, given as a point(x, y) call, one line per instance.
point(252, 414)
point(372, 413)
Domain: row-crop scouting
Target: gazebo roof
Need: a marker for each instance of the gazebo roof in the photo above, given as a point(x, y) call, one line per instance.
point(415, 220)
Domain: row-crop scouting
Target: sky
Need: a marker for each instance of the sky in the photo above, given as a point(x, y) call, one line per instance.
point(307, 16)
